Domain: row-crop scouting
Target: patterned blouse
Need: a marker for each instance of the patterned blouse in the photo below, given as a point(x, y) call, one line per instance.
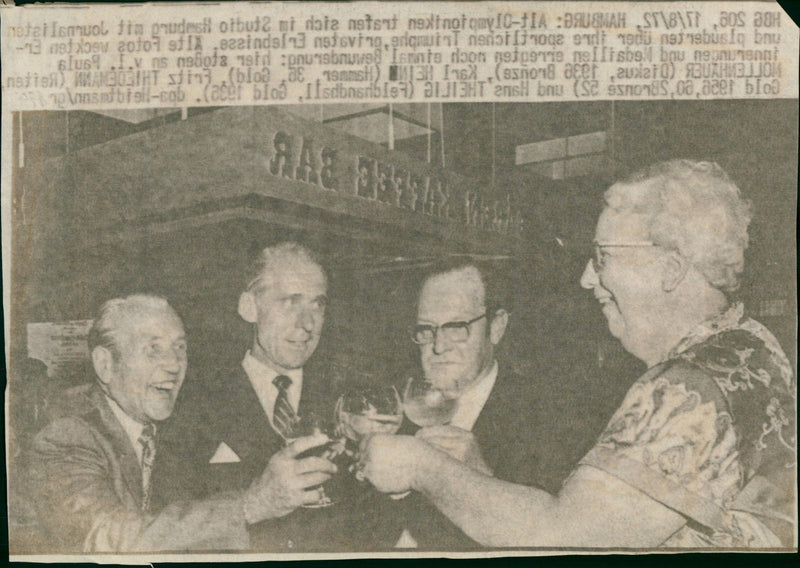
point(711, 434)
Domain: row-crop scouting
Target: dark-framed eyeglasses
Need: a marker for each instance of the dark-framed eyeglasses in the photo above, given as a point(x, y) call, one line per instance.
point(599, 259)
point(453, 331)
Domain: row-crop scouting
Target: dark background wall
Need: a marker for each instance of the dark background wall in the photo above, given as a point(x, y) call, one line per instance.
point(557, 334)
point(64, 267)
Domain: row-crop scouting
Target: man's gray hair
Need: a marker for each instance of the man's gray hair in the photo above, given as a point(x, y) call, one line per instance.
point(113, 314)
point(694, 208)
point(275, 256)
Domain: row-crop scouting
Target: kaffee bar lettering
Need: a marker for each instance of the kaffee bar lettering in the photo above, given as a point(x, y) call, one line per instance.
point(302, 159)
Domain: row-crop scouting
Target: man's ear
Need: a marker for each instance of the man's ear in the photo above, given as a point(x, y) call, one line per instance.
point(497, 327)
point(247, 307)
point(103, 362)
point(674, 271)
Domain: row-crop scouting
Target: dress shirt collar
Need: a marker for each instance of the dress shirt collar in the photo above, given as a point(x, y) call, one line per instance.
point(261, 377)
point(132, 427)
point(472, 400)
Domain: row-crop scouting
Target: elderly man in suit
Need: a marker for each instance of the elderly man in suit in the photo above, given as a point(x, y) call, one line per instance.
point(91, 469)
point(499, 421)
point(228, 425)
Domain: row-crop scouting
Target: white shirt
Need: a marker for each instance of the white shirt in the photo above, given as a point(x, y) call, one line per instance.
point(472, 400)
point(132, 428)
point(261, 377)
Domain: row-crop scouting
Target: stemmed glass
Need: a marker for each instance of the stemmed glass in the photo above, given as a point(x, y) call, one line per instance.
point(426, 405)
point(371, 410)
point(368, 410)
point(308, 425)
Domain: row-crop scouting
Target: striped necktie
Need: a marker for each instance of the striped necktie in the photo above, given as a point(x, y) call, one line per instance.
point(148, 442)
point(283, 415)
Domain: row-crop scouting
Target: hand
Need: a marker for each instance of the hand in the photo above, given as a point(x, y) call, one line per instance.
point(390, 462)
point(284, 485)
point(456, 443)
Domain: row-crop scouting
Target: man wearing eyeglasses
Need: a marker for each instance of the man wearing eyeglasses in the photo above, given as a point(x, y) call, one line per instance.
point(497, 428)
point(457, 333)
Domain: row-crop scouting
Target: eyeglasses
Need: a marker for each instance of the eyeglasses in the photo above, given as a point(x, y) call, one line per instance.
point(454, 331)
point(599, 260)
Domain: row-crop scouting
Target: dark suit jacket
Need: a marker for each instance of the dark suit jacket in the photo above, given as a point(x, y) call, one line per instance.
point(86, 482)
point(519, 440)
point(225, 409)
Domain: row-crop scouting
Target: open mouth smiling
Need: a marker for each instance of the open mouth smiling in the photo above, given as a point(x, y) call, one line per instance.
point(605, 299)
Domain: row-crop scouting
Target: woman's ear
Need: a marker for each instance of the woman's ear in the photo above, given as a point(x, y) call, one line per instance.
point(674, 269)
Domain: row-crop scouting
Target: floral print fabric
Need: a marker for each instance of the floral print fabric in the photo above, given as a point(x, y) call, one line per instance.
point(711, 433)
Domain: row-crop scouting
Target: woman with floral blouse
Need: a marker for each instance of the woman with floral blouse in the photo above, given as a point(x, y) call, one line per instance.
point(702, 452)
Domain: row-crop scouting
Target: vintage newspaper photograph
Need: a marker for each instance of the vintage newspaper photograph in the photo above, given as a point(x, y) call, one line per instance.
point(377, 279)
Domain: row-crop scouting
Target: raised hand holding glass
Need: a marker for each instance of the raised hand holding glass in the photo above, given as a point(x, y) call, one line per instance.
point(308, 425)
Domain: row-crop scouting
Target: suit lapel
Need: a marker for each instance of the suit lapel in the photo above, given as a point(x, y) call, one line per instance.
point(509, 431)
point(128, 462)
point(495, 426)
point(249, 432)
point(312, 398)
point(305, 405)
point(485, 429)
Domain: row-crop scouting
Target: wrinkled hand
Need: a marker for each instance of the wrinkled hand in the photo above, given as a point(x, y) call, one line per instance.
point(456, 443)
point(284, 485)
point(390, 462)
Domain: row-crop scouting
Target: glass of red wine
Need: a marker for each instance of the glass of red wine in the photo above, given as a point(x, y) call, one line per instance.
point(308, 425)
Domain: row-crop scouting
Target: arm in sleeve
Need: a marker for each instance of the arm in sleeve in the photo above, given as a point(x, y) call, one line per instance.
point(593, 509)
point(83, 499)
point(673, 439)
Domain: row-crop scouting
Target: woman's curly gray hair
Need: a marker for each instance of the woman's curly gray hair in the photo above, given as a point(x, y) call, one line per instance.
point(693, 208)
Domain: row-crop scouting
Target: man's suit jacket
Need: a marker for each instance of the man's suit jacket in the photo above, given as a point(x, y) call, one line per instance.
point(86, 482)
point(520, 441)
point(225, 410)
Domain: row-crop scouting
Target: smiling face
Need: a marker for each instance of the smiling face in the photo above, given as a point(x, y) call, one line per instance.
point(628, 286)
point(145, 378)
point(456, 296)
point(288, 310)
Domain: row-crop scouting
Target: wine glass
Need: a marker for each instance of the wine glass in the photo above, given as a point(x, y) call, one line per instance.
point(308, 425)
point(426, 405)
point(364, 411)
point(370, 410)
